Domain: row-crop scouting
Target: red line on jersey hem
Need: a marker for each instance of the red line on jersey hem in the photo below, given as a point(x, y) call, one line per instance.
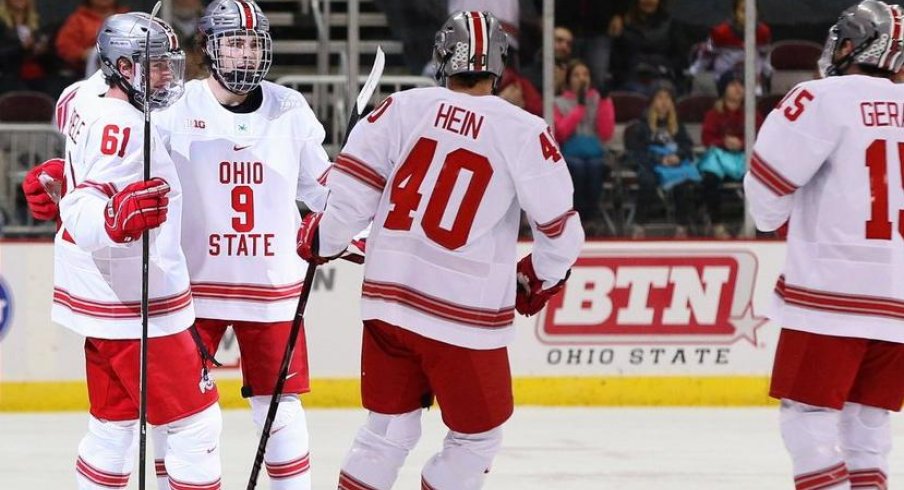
point(251, 292)
point(434, 306)
point(156, 307)
point(839, 302)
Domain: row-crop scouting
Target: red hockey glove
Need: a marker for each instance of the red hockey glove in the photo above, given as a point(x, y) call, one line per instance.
point(308, 243)
point(140, 206)
point(530, 297)
point(43, 188)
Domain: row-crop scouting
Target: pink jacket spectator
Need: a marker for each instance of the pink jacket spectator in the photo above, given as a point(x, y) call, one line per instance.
point(566, 124)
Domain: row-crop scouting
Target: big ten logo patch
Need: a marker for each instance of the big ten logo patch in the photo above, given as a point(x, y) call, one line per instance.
point(6, 308)
point(644, 297)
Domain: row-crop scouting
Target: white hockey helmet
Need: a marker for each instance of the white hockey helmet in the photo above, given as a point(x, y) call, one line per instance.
point(123, 36)
point(876, 31)
point(237, 41)
point(470, 42)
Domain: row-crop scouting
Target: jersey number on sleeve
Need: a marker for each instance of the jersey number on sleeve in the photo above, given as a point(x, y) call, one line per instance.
point(793, 111)
point(405, 194)
point(110, 143)
point(879, 227)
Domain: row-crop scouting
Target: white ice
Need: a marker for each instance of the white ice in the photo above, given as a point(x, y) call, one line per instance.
point(544, 448)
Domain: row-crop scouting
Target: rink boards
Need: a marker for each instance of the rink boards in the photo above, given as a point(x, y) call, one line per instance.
point(639, 323)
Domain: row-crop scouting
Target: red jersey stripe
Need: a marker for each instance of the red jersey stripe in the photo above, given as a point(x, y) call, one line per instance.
point(843, 303)
point(356, 168)
point(555, 228)
point(437, 307)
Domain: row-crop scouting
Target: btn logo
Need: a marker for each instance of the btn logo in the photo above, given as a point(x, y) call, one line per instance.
point(637, 297)
point(6, 308)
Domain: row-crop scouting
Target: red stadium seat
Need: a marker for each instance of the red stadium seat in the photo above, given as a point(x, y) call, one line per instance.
point(693, 108)
point(26, 106)
point(628, 106)
point(795, 55)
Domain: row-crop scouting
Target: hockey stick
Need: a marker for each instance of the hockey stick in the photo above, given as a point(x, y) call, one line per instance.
point(363, 97)
point(145, 260)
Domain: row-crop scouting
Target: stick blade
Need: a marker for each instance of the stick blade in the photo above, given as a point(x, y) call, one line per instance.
point(373, 79)
point(156, 9)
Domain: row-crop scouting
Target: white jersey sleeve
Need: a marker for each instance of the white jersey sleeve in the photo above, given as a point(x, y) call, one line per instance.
point(102, 175)
point(793, 144)
point(359, 177)
point(314, 164)
point(544, 190)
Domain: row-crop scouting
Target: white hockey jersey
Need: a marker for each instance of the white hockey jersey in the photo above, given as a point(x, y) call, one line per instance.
point(443, 176)
point(97, 282)
point(241, 175)
point(831, 159)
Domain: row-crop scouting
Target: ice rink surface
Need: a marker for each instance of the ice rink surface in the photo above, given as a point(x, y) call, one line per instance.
point(544, 448)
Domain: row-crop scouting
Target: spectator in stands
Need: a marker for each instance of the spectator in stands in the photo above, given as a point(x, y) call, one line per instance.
point(76, 39)
point(562, 46)
point(663, 153)
point(723, 137)
point(22, 45)
point(724, 51)
point(595, 25)
point(584, 121)
point(519, 91)
point(651, 49)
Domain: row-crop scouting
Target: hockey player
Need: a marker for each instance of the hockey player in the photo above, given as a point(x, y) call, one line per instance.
point(265, 145)
point(443, 173)
point(245, 150)
point(97, 266)
point(839, 365)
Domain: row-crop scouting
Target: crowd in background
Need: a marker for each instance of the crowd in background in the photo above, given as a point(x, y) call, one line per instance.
point(668, 173)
